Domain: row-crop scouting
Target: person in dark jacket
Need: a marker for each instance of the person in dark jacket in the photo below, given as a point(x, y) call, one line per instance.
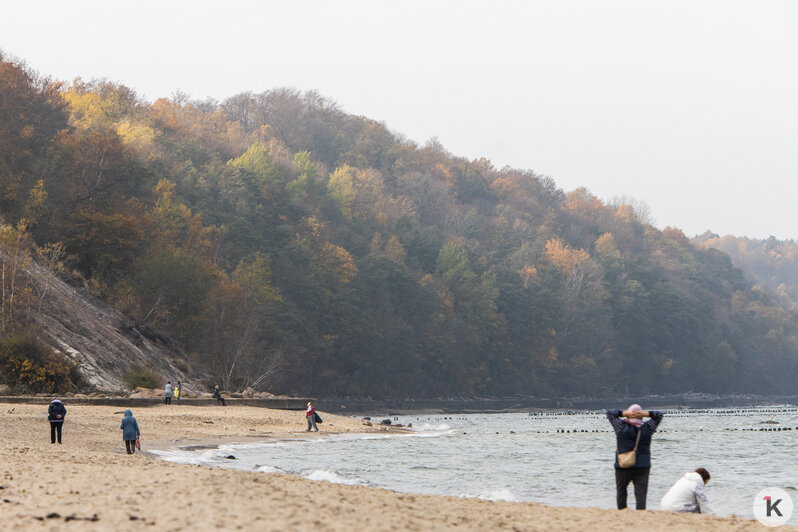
point(55, 415)
point(217, 393)
point(130, 431)
point(627, 425)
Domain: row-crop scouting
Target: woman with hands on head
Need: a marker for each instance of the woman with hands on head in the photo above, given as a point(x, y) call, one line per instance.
point(633, 434)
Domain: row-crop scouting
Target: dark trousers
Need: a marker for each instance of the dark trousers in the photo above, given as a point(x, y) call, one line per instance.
point(55, 428)
point(638, 476)
point(130, 446)
point(167, 400)
point(221, 400)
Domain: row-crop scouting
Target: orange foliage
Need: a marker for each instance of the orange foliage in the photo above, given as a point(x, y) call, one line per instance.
point(505, 188)
point(563, 256)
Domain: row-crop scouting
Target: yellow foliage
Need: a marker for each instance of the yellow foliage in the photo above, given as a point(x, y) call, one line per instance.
point(137, 136)
point(173, 216)
point(355, 191)
point(256, 276)
point(394, 250)
point(606, 247)
point(86, 108)
point(337, 260)
point(528, 273)
point(341, 189)
point(314, 226)
point(32, 369)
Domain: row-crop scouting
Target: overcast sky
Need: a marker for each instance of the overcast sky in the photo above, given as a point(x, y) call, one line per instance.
point(691, 107)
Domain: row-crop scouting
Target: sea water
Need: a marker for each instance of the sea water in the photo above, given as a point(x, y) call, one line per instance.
point(560, 459)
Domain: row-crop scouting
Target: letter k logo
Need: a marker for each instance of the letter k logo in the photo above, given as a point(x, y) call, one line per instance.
point(772, 506)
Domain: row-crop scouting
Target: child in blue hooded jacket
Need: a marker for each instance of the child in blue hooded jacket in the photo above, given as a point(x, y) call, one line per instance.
point(130, 431)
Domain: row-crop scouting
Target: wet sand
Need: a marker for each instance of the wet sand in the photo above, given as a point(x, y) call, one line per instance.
point(90, 483)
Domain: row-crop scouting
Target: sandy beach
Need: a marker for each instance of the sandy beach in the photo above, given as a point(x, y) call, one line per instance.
point(90, 483)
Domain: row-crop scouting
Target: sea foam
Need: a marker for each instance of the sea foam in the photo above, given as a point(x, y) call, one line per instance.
point(332, 476)
point(502, 494)
point(426, 427)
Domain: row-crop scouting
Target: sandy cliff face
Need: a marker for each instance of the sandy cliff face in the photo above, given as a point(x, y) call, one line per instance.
point(100, 340)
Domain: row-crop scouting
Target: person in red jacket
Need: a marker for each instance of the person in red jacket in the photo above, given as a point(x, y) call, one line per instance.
point(310, 414)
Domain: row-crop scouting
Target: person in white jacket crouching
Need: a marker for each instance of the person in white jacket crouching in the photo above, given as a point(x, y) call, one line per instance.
point(688, 494)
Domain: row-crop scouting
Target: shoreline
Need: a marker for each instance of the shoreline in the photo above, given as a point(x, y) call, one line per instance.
point(404, 407)
point(194, 444)
point(44, 486)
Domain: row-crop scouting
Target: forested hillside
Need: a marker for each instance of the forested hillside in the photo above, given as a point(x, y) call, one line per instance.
point(292, 247)
point(772, 264)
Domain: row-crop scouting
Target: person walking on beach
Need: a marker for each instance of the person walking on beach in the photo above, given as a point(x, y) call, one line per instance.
point(310, 414)
point(217, 393)
point(55, 415)
point(167, 393)
point(178, 391)
point(688, 494)
point(633, 434)
point(130, 431)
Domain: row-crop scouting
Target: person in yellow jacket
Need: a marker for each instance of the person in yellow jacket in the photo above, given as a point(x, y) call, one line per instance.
point(178, 389)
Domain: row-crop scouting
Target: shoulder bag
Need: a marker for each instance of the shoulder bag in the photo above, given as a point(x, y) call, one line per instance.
point(627, 459)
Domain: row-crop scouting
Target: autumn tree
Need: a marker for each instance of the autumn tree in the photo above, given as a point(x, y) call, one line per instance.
point(32, 113)
point(16, 291)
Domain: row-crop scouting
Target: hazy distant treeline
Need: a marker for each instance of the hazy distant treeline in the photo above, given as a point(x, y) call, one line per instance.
point(293, 247)
point(772, 264)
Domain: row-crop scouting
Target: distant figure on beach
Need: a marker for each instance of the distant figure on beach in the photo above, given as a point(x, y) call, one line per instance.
point(178, 391)
point(55, 415)
point(217, 393)
point(633, 434)
point(688, 494)
point(167, 393)
point(130, 431)
point(310, 414)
